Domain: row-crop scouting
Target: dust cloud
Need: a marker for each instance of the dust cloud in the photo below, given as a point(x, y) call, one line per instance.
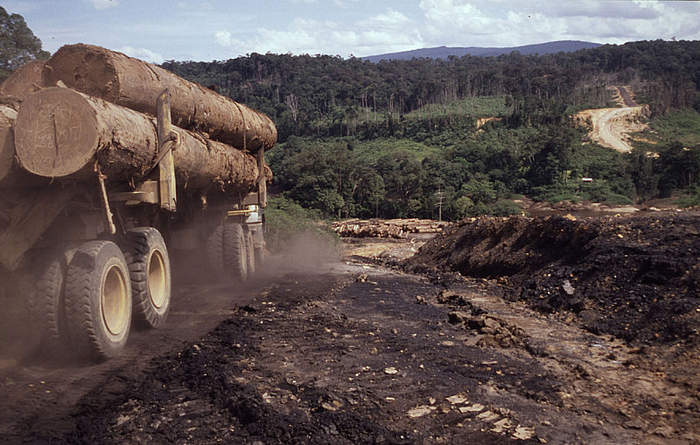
point(302, 253)
point(19, 338)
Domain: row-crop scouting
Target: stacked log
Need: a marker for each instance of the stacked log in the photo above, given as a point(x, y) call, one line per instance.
point(61, 133)
point(135, 84)
point(390, 228)
point(7, 142)
point(23, 81)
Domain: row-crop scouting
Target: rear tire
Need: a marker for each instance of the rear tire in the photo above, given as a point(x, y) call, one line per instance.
point(149, 270)
point(250, 252)
point(215, 251)
point(259, 249)
point(46, 300)
point(234, 251)
point(98, 300)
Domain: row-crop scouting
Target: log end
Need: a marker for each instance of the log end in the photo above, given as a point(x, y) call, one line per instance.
point(86, 68)
point(7, 146)
point(24, 80)
point(56, 133)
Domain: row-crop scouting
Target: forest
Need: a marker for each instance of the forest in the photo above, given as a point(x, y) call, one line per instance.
point(467, 136)
point(458, 137)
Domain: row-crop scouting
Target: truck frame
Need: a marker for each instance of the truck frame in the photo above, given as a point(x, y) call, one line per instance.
point(97, 256)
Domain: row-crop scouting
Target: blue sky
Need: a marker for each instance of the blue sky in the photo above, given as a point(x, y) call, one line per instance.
point(205, 30)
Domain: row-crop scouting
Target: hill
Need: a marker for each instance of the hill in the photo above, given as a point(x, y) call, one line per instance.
point(444, 52)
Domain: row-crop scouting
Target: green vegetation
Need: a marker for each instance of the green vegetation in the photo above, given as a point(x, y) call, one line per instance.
point(480, 106)
point(678, 125)
point(692, 199)
point(400, 139)
point(286, 221)
point(18, 44)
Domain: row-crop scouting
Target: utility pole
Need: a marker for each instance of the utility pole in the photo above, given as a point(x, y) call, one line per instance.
point(440, 197)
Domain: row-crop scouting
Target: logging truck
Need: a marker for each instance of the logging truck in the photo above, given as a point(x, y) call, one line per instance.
point(108, 165)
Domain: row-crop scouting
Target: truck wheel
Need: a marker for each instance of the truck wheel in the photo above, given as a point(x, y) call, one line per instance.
point(149, 269)
point(215, 251)
point(234, 251)
point(259, 250)
point(98, 299)
point(250, 252)
point(46, 300)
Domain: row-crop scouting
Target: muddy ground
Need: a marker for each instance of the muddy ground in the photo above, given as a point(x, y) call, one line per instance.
point(353, 351)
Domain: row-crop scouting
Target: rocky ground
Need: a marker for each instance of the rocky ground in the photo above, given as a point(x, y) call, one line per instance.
point(527, 345)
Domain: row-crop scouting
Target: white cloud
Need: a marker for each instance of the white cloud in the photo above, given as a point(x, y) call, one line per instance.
point(345, 3)
point(388, 31)
point(142, 53)
point(223, 38)
point(215, 29)
point(104, 4)
point(507, 23)
point(389, 19)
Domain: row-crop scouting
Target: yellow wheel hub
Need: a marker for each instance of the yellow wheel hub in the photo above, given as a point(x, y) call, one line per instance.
point(157, 280)
point(115, 301)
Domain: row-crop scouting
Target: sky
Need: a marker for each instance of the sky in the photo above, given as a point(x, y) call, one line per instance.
point(206, 30)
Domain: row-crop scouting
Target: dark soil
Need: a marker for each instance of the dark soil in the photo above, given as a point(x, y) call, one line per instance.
point(355, 353)
point(636, 277)
point(307, 365)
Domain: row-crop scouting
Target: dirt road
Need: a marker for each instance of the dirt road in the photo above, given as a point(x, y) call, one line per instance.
point(611, 127)
point(352, 352)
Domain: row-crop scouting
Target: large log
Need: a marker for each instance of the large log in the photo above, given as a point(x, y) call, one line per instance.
point(11, 175)
point(135, 84)
point(7, 142)
point(61, 133)
point(23, 81)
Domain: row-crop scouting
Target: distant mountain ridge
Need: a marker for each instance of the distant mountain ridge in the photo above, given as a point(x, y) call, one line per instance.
point(443, 52)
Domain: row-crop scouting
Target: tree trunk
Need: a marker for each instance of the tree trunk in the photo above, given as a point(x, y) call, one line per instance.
point(7, 141)
point(24, 80)
point(61, 133)
point(11, 175)
point(135, 84)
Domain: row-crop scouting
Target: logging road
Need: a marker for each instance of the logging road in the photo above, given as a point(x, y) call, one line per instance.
point(611, 127)
point(350, 352)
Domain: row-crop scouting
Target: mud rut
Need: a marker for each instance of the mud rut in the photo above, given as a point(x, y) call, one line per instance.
point(354, 354)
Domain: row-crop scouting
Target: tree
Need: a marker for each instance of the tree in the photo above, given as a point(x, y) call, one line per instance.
point(18, 44)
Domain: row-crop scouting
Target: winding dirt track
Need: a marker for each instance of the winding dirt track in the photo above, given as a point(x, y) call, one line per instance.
point(611, 127)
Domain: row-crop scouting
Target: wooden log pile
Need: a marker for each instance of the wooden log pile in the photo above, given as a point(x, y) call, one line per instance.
point(7, 141)
point(23, 81)
point(61, 133)
point(387, 228)
point(101, 114)
point(135, 84)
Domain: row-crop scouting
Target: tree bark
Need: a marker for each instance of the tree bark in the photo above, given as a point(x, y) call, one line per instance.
point(61, 133)
point(135, 84)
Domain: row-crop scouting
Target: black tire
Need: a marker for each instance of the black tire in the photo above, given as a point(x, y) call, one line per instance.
point(46, 300)
point(151, 280)
point(250, 252)
point(98, 300)
point(259, 249)
point(234, 251)
point(215, 252)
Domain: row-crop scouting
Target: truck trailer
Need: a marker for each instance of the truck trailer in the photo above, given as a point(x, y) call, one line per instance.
point(108, 164)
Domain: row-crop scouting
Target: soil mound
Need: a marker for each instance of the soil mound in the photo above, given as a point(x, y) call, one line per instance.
point(636, 277)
